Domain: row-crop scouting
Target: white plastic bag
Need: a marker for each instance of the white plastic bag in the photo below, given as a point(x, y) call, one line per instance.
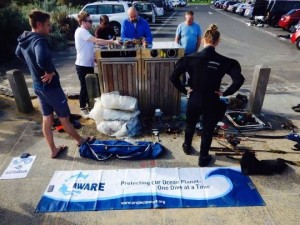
point(114, 114)
point(115, 101)
point(113, 128)
point(97, 112)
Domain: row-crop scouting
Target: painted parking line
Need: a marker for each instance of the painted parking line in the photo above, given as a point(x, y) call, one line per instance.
point(242, 21)
point(166, 22)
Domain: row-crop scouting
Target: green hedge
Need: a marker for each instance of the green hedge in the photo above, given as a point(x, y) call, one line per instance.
point(14, 21)
point(200, 1)
point(12, 24)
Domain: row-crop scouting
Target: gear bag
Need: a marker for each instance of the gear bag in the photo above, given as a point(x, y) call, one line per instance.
point(103, 150)
point(250, 165)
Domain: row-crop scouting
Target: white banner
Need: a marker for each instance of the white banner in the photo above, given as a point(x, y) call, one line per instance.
point(148, 188)
point(18, 168)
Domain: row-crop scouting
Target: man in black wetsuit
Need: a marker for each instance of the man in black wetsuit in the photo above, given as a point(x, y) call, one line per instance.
point(206, 69)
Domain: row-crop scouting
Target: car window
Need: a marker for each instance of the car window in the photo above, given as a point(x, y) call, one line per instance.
point(119, 9)
point(291, 12)
point(91, 9)
point(105, 9)
point(143, 7)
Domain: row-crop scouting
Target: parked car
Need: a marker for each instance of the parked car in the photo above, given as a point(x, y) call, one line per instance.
point(233, 7)
point(227, 4)
point(145, 10)
point(288, 21)
point(182, 3)
point(295, 38)
point(249, 11)
point(278, 8)
point(241, 8)
point(159, 11)
point(219, 4)
point(295, 27)
point(175, 3)
point(116, 11)
point(167, 5)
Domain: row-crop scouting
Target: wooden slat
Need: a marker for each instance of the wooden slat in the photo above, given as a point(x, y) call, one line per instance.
point(129, 73)
point(162, 81)
point(115, 77)
point(167, 102)
point(150, 87)
point(125, 79)
point(157, 98)
point(153, 88)
point(102, 79)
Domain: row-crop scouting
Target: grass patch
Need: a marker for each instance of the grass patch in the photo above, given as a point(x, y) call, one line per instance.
point(199, 2)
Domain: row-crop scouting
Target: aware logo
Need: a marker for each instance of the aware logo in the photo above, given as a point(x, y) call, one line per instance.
point(19, 163)
point(80, 185)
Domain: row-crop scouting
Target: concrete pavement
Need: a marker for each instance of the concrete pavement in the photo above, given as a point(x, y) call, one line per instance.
point(20, 133)
point(19, 197)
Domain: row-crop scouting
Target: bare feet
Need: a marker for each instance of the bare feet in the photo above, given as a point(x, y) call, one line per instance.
point(90, 139)
point(58, 151)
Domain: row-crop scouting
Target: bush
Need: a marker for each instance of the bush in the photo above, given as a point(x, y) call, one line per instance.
point(12, 24)
point(14, 21)
point(57, 41)
point(64, 24)
point(4, 3)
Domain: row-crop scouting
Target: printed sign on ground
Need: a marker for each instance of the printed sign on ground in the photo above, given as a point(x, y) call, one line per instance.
point(148, 188)
point(18, 168)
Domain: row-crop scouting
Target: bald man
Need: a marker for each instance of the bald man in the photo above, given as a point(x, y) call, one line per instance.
point(135, 27)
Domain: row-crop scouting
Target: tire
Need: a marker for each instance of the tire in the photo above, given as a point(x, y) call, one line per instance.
point(117, 28)
point(298, 43)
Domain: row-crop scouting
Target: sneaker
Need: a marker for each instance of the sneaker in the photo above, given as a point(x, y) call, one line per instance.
point(204, 161)
point(85, 113)
point(187, 149)
point(297, 109)
point(296, 106)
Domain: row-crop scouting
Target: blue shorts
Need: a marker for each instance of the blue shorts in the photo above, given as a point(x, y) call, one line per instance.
point(53, 100)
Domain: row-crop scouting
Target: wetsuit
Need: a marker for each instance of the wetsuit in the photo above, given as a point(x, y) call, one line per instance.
point(206, 69)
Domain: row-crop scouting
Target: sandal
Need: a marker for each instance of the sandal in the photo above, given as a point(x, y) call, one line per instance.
point(60, 150)
point(88, 140)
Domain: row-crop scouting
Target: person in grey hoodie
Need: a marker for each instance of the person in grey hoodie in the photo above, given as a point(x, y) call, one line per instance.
point(33, 50)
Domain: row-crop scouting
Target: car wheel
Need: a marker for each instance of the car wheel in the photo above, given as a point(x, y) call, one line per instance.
point(117, 28)
point(298, 43)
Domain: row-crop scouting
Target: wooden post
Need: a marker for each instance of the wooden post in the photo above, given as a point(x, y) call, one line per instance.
point(20, 91)
point(92, 86)
point(258, 88)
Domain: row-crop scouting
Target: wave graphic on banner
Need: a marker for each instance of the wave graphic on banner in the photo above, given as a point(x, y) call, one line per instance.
point(148, 188)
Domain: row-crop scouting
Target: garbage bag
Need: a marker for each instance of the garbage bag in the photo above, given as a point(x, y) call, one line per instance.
point(250, 165)
point(115, 101)
point(113, 128)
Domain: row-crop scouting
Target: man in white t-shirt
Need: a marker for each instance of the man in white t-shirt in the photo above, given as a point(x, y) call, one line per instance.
point(84, 43)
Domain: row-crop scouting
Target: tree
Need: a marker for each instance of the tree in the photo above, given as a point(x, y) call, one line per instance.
point(4, 3)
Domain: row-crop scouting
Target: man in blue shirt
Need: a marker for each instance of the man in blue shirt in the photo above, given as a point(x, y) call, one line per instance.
point(135, 27)
point(188, 34)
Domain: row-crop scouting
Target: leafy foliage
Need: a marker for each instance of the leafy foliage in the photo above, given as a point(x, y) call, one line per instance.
point(12, 24)
point(14, 21)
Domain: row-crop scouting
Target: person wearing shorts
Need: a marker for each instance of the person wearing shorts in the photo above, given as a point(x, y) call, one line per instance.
point(33, 50)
